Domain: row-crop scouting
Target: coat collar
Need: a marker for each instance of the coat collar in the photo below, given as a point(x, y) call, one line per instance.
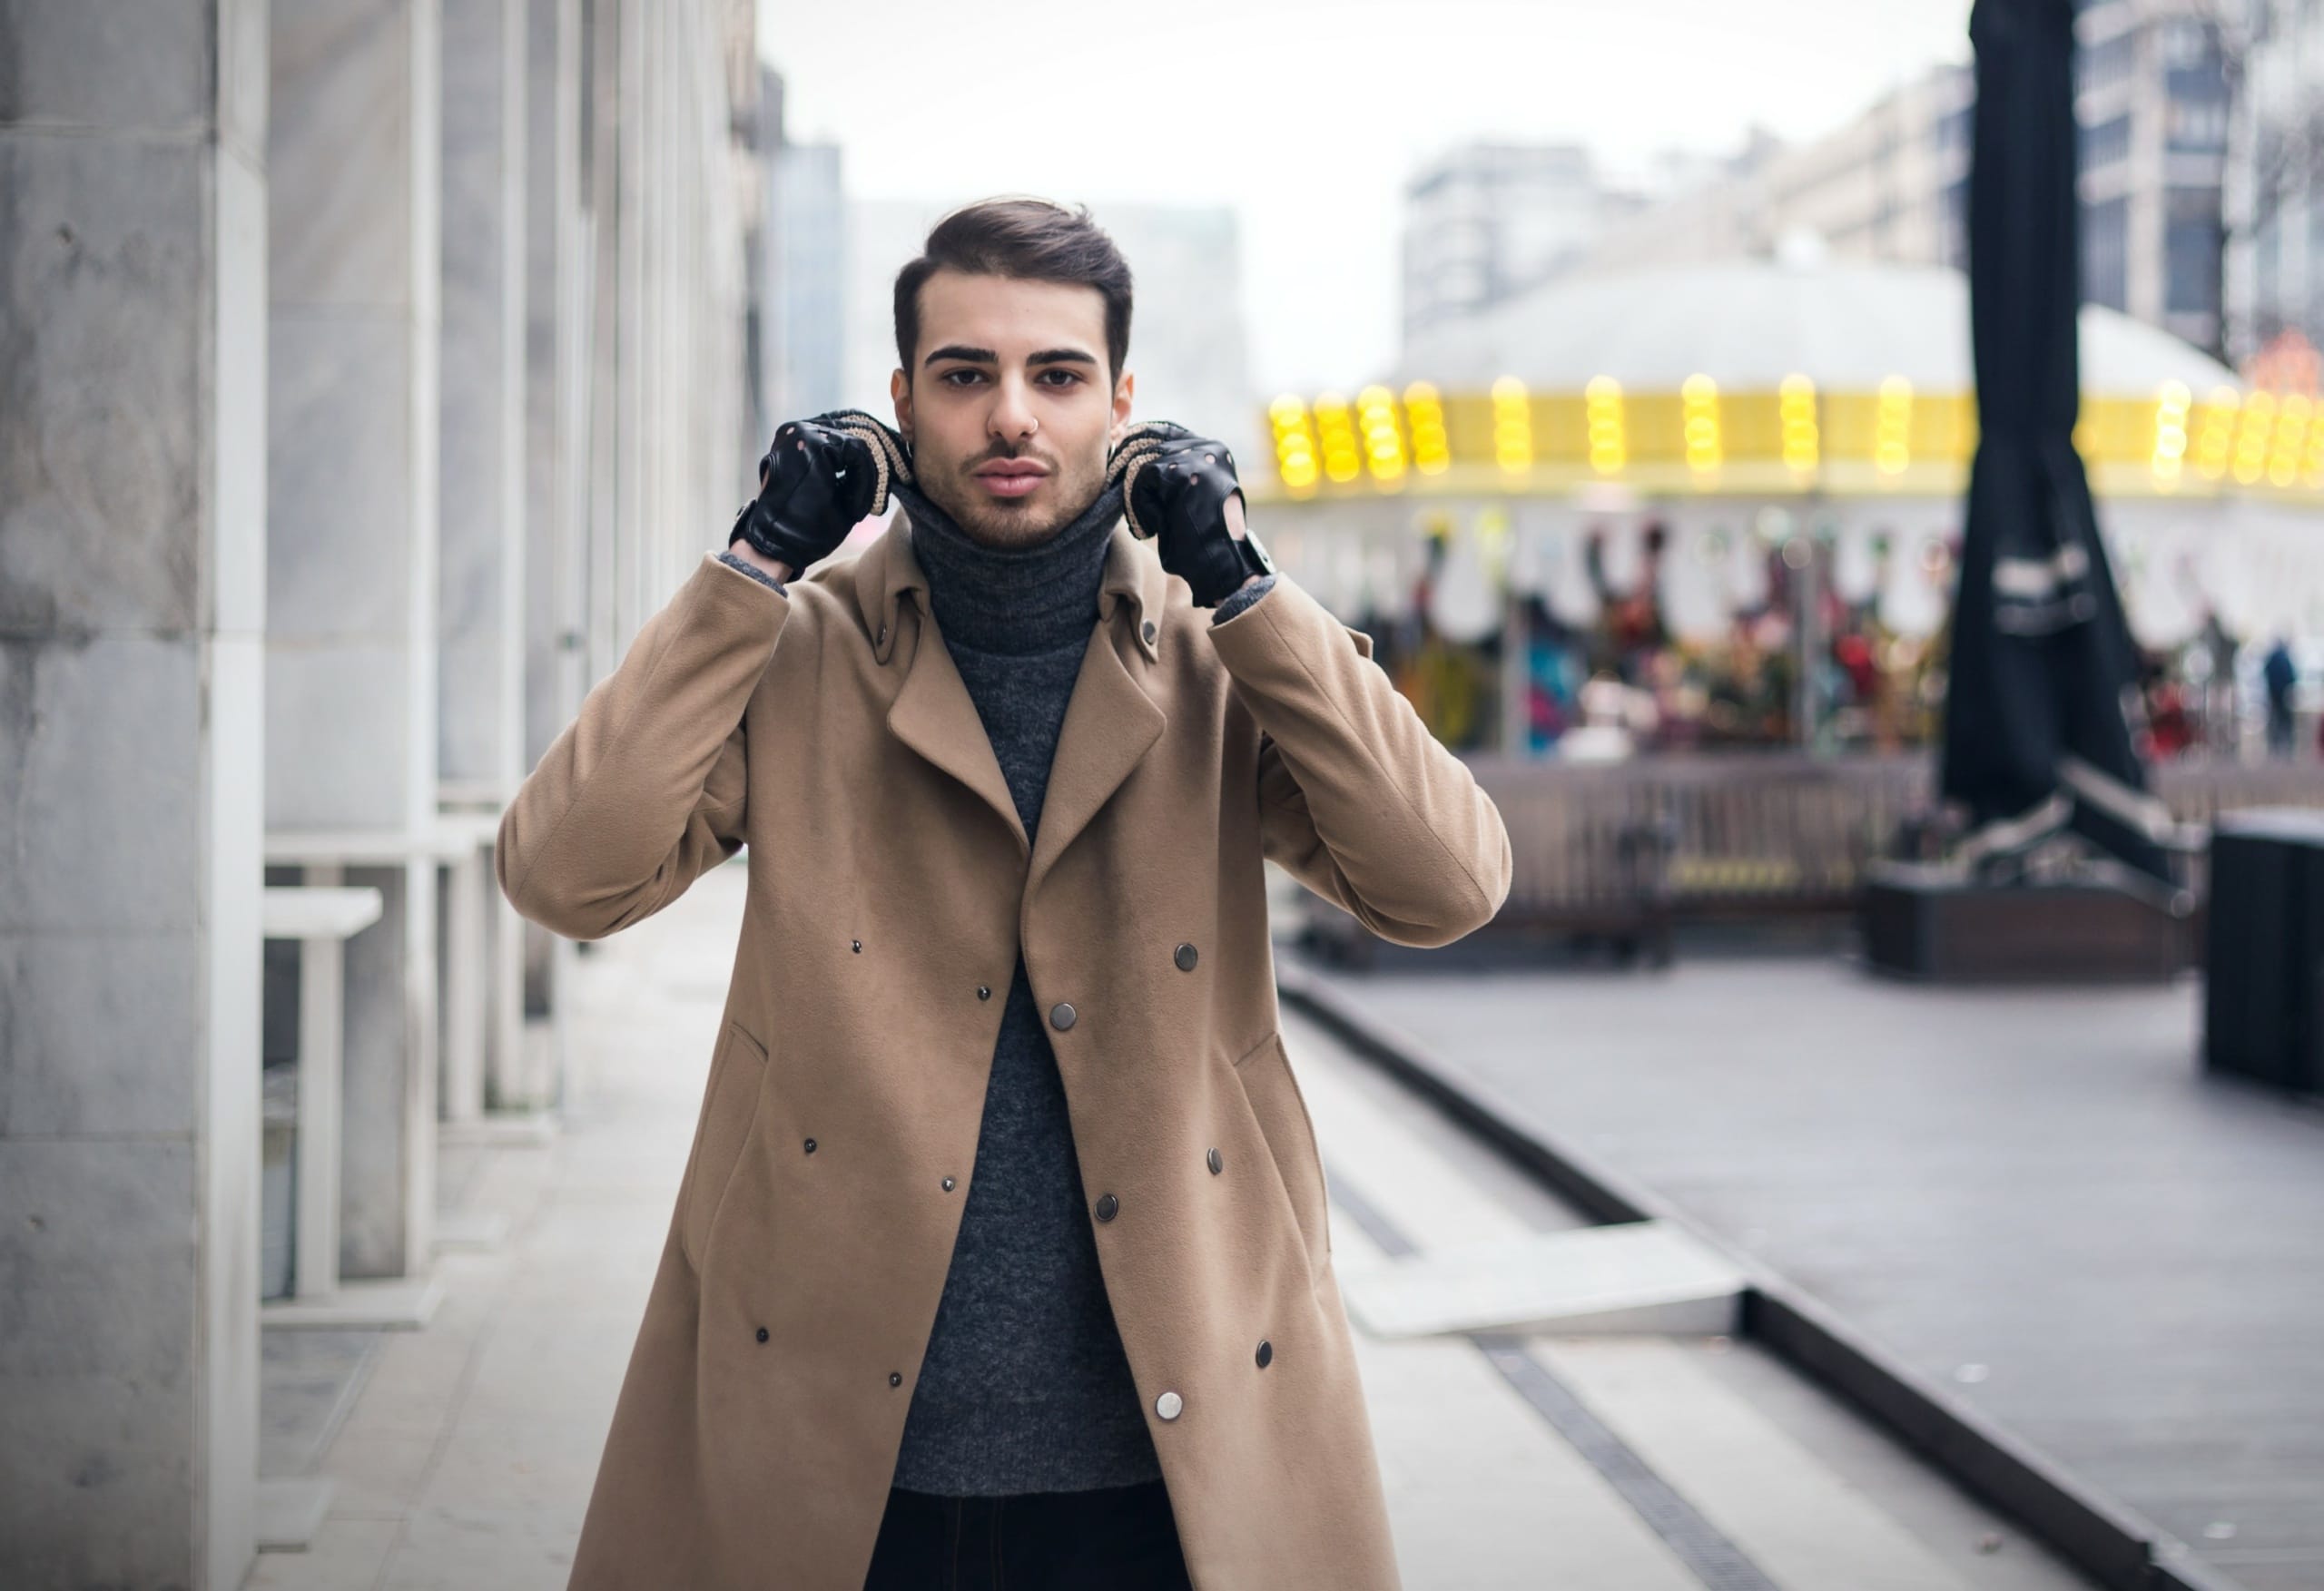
point(1133, 579)
point(1111, 721)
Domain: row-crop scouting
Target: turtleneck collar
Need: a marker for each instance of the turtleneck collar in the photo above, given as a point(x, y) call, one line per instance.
point(1019, 600)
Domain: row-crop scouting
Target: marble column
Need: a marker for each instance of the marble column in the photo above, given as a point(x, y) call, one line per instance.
point(557, 394)
point(132, 600)
point(351, 554)
point(483, 496)
point(635, 303)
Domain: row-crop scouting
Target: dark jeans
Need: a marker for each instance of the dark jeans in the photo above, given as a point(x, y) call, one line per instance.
point(1115, 1538)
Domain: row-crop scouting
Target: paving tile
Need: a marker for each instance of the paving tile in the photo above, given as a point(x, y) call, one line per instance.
point(2034, 1195)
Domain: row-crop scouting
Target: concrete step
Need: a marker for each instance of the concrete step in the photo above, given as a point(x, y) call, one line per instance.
point(1644, 1276)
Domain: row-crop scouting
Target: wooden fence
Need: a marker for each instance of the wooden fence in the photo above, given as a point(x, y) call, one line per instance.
point(1628, 849)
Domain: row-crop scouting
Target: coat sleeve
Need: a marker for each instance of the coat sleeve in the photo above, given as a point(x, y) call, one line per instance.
point(643, 790)
point(1357, 799)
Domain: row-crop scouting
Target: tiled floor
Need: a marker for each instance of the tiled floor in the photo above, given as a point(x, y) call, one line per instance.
point(2034, 1194)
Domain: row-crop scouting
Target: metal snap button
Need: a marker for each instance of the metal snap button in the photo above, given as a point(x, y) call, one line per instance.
point(811, 1145)
point(984, 991)
point(1107, 1207)
point(948, 1185)
point(1061, 1016)
point(762, 1333)
point(1186, 956)
point(895, 1378)
point(1168, 1404)
point(1215, 1164)
point(1267, 1353)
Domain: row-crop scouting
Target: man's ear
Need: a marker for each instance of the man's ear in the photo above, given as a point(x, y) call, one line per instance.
point(900, 394)
point(1123, 389)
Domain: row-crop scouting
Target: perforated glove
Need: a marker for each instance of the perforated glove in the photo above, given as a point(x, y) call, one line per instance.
point(1175, 487)
point(820, 476)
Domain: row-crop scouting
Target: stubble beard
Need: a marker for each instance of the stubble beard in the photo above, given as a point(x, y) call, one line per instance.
point(1007, 525)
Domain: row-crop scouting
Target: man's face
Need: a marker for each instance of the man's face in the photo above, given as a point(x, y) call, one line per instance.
point(1009, 406)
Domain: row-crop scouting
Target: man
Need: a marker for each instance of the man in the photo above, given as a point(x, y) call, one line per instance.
point(1000, 1256)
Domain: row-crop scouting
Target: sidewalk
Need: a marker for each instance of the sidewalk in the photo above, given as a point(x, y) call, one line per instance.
point(464, 1453)
point(2034, 1195)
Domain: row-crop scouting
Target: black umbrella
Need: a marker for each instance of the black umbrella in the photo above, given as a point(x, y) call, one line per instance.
point(2037, 728)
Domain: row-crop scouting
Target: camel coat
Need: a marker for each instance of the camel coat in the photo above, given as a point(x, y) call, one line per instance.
point(890, 889)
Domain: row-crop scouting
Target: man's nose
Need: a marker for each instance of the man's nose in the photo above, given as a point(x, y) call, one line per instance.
point(1011, 418)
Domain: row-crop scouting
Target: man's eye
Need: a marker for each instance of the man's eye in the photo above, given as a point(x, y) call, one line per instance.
point(1070, 376)
point(949, 376)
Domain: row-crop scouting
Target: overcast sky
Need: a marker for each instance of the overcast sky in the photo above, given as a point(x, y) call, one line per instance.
point(1307, 117)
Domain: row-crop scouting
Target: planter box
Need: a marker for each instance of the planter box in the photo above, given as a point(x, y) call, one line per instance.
point(1972, 933)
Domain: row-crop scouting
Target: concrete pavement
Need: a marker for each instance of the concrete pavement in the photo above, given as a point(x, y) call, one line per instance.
point(2034, 1196)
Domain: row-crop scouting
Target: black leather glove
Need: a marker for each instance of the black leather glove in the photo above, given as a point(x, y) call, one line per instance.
point(1175, 487)
point(818, 479)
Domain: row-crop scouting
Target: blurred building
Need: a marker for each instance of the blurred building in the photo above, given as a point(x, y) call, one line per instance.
point(2276, 200)
point(1189, 341)
point(2154, 104)
point(386, 365)
point(1892, 184)
point(806, 286)
point(1889, 185)
point(1486, 221)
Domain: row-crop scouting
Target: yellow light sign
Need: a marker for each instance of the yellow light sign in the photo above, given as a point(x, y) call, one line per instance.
point(2215, 441)
point(2254, 436)
point(2292, 422)
point(1601, 405)
point(1794, 434)
point(1699, 414)
point(1384, 439)
point(1796, 408)
point(1892, 427)
point(2171, 410)
point(1297, 461)
point(1512, 426)
point(1335, 431)
point(1424, 411)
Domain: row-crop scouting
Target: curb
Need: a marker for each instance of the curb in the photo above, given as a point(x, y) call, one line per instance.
point(2116, 1545)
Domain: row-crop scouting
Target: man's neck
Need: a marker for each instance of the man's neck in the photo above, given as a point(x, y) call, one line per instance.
point(1013, 600)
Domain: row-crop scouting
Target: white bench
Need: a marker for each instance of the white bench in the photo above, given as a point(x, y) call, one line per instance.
point(321, 1297)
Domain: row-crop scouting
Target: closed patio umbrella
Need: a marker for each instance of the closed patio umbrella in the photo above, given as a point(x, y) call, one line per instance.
point(2037, 730)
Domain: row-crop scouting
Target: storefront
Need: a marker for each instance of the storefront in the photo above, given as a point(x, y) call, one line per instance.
point(1718, 508)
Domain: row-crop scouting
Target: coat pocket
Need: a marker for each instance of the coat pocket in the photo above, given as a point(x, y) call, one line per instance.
point(737, 1068)
point(1281, 1111)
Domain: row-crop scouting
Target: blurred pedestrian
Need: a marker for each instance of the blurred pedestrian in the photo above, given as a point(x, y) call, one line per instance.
point(2278, 676)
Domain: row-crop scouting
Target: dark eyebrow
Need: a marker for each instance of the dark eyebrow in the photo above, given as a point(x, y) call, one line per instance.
point(953, 350)
point(985, 356)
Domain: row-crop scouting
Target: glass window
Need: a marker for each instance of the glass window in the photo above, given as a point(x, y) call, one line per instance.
point(2191, 253)
point(2108, 62)
point(2198, 125)
point(2106, 143)
point(2186, 44)
point(2105, 254)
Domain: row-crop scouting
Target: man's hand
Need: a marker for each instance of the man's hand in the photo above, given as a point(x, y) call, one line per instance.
point(818, 479)
point(1181, 490)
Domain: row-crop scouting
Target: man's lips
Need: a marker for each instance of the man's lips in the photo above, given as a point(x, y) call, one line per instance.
point(1011, 477)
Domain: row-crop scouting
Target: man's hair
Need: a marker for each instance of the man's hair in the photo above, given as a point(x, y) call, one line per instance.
point(1030, 240)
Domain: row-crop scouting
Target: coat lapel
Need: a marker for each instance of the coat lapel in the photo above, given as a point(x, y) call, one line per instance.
point(1110, 722)
point(932, 713)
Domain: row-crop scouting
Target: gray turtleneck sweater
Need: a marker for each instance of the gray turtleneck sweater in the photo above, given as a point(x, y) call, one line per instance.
point(1025, 1387)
